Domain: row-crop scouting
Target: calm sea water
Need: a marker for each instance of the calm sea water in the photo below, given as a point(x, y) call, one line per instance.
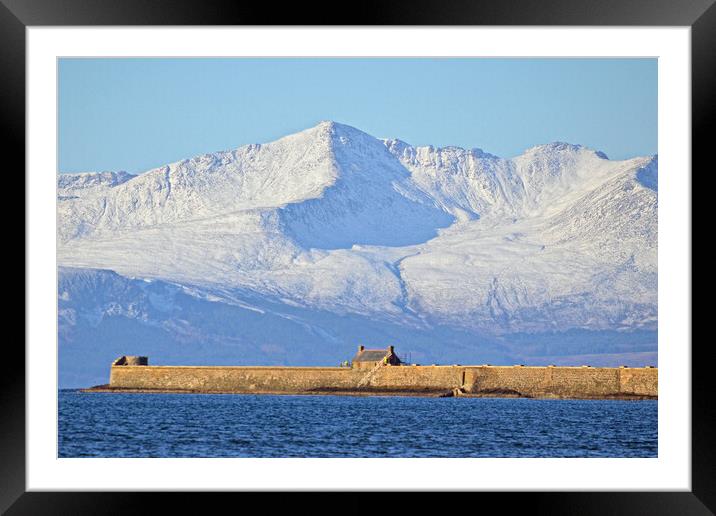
point(207, 425)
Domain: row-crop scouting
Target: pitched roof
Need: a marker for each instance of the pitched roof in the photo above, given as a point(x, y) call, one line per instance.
point(371, 355)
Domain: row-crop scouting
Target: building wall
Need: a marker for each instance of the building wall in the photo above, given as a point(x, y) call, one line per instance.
point(568, 382)
point(364, 365)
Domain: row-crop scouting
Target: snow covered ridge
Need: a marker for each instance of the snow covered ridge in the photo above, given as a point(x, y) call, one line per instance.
point(332, 219)
point(91, 180)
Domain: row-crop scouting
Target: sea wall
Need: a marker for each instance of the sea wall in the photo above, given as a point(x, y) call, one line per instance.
point(418, 378)
point(571, 382)
point(232, 379)
point(549, 382)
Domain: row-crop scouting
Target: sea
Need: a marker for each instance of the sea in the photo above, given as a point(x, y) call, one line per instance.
point(231, 425)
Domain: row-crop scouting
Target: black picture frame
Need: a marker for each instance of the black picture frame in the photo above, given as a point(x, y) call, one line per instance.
point(16, 15)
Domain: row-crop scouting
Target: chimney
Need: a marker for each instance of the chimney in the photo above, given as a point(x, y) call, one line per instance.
point(360, 348)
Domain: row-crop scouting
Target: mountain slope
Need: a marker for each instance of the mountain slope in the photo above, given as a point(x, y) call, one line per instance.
point(420, 240)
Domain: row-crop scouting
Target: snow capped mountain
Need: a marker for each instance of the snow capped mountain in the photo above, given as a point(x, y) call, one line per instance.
point(454, 248)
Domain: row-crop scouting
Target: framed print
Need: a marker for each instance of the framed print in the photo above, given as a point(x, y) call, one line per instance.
point(434, 252)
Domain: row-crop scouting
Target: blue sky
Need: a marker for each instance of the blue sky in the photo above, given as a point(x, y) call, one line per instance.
point(136, 114)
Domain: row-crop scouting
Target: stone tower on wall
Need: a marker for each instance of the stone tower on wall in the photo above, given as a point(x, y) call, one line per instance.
point(129, 360)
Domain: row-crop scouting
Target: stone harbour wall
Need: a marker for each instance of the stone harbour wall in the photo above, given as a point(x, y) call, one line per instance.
point(523, 381)
point(418, 378)
point(232, 379)
point(564, 382)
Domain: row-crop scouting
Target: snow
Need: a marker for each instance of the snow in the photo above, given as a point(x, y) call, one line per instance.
point(333, 222)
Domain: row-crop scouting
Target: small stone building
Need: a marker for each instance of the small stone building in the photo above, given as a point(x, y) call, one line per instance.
point(369, 358)
point(128, 360)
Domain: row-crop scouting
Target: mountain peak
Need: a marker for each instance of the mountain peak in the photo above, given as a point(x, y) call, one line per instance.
point(556, 147)
point(333, 126)
point(563, 147)
point(332, 131)
point(326, 124)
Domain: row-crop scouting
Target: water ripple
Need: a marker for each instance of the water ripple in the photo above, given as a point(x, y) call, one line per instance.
point(200, 425)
